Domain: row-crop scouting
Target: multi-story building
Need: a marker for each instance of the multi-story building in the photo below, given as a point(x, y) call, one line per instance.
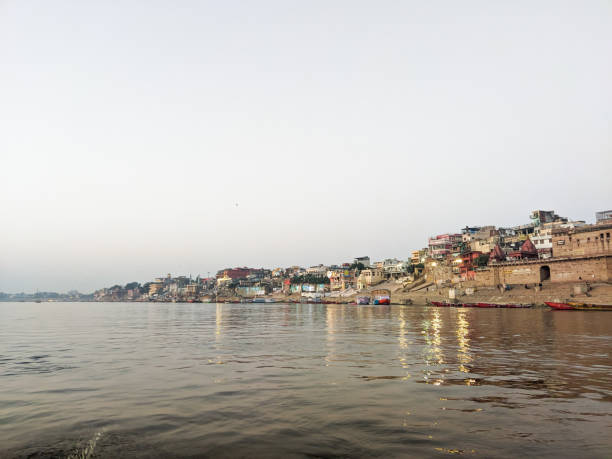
point(319, 270)
point(603, 215)
point(341, 279)
point(155, 288)
point(369, 277)
point(582, 241)
point(419, 256)
point(539, 217)
point(444, 244)
point(365, 261)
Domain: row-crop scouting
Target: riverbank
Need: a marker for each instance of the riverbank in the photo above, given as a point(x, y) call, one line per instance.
point(599, 293)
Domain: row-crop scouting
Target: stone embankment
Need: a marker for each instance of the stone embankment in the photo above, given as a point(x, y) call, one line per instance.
point(598, 293)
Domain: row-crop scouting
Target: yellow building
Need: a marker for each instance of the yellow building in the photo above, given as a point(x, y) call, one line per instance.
point(369, 277)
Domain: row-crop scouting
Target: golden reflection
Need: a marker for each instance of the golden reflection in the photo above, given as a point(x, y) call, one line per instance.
point(218, 320)
point(431, 331)
point(330, 326)
point(403, 343)
point(436, 325)
point(463, 352)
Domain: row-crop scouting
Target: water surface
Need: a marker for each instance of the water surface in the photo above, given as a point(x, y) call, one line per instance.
point(273, 380)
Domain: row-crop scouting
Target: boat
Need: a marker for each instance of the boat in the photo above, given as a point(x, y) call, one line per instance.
point(503, 305)
point(381, 296)
point(442, 304)
point(578, 306)
point(363, 300)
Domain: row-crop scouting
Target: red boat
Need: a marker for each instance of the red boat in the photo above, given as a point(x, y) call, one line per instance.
point(443, 304)
point(486, 305)
point(579, 306)
point(382, 301)
point(505, 305)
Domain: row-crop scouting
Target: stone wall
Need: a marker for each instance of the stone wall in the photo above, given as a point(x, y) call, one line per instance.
point(518, 274)
point(582, 243)
point(594, 269)
point(483, 278)
point(589, 270)
point(586, 270)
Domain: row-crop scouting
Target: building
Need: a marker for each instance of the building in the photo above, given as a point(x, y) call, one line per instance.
point(394, 268)
point(155, 288)
point(419, 256)
point(341, 279)
point(369, 277)
point(539, 217)
point(542, 236)
point(444, 244)
point(365, 261)
point(319, 270)
point(588, 240)
point(468, 232)
point(467, 264)
point(603, 215)
point(527, 251)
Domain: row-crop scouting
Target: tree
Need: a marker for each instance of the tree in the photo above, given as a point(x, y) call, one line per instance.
point(358, 266)
point(310, 279)
point(132, 285)
point(482, 260)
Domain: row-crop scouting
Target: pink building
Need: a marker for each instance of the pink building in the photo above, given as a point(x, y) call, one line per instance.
point(443, 244)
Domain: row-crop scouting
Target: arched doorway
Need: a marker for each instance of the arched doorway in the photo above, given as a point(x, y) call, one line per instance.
point(544, 273)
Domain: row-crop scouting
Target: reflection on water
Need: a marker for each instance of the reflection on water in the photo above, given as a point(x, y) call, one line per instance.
point(173, 380)
point(463, 341)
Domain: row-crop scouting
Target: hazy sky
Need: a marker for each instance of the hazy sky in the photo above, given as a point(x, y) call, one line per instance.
point(129, 130)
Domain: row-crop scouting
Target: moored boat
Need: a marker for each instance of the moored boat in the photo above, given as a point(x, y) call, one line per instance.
point(486, 305)
point(481, 305)
point(381, 301)
point(381, 296)
point(578, 306)
point(363, 300)
point(441, 304)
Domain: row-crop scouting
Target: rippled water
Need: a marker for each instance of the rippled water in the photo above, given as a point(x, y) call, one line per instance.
point(175, 380)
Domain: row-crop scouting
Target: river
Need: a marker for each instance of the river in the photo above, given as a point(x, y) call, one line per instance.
point(275, 380)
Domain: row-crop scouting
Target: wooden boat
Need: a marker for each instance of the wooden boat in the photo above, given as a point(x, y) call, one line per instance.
point(504, 305)
point(363, 300)
point(381, 301)
point(578, 306)
point(481, 305)
point(486, 305)
point(381, 296)
point(441, 304)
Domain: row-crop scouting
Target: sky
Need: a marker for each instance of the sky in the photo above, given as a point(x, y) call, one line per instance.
point(139, 138)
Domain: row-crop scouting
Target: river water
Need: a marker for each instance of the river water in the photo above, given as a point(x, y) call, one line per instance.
point(273, 380)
